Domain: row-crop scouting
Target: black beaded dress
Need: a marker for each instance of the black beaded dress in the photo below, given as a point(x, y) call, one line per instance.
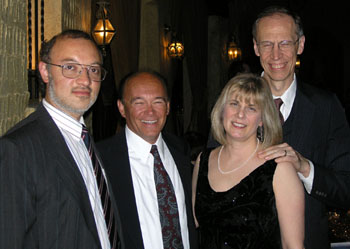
point(243, 217)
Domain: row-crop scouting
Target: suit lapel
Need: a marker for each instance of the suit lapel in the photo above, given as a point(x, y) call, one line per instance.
point(179, 158)
point(299, 122)
point(67, 169)
point(124, 191)
point(183, 166)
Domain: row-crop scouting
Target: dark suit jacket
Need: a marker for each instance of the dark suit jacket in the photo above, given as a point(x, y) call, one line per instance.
point(114, 153)
point(43, 199)
point(317, 128)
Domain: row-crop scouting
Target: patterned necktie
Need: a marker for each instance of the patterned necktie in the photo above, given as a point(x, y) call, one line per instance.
point(278, 103)
point(102, 187)
point(168, 212)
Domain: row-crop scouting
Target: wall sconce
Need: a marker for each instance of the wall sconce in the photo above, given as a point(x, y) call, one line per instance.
point(234, 53)
point(103, 32)
point(297, 62)
point(175, 48)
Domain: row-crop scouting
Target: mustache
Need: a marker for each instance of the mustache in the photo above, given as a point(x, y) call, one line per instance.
point(84, 88)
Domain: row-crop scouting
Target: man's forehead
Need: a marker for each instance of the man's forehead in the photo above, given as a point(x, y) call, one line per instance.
point(143, 87)
point(67, 48)
point(62, 41)
point(277, 19)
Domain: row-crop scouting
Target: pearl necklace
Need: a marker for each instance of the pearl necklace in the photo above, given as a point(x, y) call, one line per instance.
point(240, 166)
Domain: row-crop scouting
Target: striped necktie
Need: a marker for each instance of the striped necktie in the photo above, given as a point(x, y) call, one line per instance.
point(103, 190)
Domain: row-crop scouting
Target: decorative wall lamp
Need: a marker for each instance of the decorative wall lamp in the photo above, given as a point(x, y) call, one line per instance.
point(103, 32)
point(175, 48)
point(234, 53)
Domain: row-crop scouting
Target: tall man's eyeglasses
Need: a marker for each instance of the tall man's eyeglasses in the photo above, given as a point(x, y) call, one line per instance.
point(267, 46)
point(74, 70)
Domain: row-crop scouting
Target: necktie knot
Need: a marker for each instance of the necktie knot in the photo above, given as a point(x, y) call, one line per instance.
point(154, 150)
point(278, 103)
point(86, 137)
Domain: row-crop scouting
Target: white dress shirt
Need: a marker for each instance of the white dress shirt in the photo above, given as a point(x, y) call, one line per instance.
point(288, 98)
point(142, 164)
point(71, 130)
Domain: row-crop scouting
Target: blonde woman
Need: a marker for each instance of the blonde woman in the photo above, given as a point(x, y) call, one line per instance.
point(240, 200)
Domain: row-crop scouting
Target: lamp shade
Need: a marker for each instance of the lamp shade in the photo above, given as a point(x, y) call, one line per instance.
point(234, 53)
point(103, 32)
point(176, 50)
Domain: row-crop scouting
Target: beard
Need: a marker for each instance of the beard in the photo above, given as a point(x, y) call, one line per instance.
point(64, 106)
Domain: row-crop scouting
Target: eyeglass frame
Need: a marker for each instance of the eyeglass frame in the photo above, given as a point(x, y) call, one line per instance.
point(88, 67)
point(292, 43)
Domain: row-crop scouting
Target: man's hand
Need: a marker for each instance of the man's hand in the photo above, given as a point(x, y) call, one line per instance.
point(285, 153)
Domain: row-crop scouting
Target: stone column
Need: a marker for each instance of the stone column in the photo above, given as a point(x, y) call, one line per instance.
point(14, 93)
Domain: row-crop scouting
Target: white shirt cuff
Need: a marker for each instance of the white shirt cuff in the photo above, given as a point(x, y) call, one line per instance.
point(308, 181)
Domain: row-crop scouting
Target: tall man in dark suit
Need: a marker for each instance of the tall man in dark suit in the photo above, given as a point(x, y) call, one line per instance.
point(49, 196)
point(315, 129)
point(132, 168)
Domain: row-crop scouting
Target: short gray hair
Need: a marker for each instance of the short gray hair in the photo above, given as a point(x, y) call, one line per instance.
point(272, 10)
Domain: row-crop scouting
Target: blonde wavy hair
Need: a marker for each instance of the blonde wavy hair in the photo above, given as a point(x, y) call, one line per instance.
point(251, 88)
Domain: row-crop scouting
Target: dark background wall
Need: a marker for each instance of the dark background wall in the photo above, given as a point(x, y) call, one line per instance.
point(324, 62)
point(325, 59)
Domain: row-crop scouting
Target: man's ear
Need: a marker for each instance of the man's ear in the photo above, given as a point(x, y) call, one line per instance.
point(256, 49)
point(168, 107)
point(301, 45)
point(44, 72)
point(121, 108)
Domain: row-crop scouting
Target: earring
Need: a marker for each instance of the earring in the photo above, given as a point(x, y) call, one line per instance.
point(260, 133)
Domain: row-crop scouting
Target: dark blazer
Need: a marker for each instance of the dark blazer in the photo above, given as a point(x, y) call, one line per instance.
point(317, 128)
point(114, 153)
point(43, 199)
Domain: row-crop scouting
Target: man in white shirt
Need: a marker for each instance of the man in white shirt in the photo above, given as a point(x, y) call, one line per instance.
point(315, 129)
point(128, 160)
point(49, 194)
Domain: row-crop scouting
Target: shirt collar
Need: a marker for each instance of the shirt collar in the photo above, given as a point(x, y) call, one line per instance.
point(140, 146)
point(64, 121)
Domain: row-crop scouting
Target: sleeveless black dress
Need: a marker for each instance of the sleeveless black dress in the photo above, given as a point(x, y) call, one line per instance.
point(244, 217)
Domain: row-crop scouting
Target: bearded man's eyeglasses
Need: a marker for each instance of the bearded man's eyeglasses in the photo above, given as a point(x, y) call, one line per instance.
point(74, 70)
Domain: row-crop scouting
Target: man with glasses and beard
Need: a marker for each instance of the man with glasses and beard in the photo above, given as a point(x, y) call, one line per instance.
point(53, 189)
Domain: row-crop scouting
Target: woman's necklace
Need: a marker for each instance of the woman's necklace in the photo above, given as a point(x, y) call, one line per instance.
point(240, 166)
